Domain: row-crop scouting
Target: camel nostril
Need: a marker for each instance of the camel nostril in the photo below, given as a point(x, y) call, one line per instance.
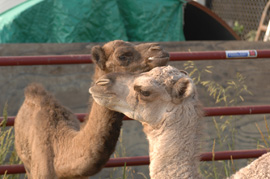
point(103, 82)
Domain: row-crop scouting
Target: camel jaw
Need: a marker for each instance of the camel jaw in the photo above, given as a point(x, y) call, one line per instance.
point(102, 98)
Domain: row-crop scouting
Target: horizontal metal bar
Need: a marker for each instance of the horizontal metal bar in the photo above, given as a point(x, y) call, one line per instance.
point(219, 55)
point(12, 169)
point(128, 161)
point(209, 111)
point(174, 56)
point(237, 110)
point(235, 154)
point(144, 160)
point(44, 60)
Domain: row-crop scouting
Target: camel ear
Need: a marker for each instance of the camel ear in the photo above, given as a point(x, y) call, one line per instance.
point(98, 57)
point(182, 89)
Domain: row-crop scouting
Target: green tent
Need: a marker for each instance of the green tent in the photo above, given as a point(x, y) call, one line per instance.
point(69, 21)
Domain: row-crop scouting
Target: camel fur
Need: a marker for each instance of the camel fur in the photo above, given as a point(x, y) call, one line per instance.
point(166, 102)
point(258, 169)
point(48, 137)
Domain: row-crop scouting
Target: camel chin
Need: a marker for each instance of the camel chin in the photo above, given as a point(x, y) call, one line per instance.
point(109, 102)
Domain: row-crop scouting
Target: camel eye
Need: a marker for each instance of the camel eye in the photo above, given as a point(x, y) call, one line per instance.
point(126, 56)
point(122, 58)
point(145, 93)
point(142, 92)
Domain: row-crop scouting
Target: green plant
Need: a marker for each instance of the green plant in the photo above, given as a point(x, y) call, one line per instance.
point(226, 95)
point(238, 28)
point(120, 152)
point(7, 152)
point(265, 139)
point(250, 36)
point(127, 172)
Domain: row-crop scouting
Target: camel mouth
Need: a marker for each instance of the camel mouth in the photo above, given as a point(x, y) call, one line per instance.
point(97, 93)
point(103, 96)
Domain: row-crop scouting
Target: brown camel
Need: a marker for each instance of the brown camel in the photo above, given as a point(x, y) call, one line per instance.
point(165, 101)
point(48, 138)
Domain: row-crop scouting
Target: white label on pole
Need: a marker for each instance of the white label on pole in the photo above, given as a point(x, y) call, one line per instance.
point(241, 53)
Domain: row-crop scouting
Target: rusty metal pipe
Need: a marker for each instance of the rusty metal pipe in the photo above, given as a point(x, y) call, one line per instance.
point(237, 110)
point(12, 169)
point(209, 111)
point(44, 60)
point(235, 154)
point(86, 58)
point(144, 160)
point(219, 55)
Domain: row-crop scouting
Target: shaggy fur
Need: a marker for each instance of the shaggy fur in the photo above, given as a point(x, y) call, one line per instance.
point(48, 138)
point(165, 101)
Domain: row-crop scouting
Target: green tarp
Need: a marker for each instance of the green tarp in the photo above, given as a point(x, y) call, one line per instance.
point(69, 21)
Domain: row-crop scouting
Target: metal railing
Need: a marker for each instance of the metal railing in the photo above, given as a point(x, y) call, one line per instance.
point(174, 56)
point(144, 160)
point(209, 111)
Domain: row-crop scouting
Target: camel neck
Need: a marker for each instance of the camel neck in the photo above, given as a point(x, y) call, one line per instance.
point(98, 136)
point(174, 151)
point(100, 116)
point(104, 124)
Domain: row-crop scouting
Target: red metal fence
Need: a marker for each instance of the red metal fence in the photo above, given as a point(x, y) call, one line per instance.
point(174, 56)
point(144, 160)
point(209, 111)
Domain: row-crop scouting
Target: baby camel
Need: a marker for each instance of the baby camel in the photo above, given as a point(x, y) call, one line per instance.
point(48, 137)
point(165, 101)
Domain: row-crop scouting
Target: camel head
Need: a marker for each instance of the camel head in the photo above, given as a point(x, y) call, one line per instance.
point(120, 56)
point(155, 93)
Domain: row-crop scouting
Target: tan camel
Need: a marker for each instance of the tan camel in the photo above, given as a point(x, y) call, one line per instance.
point(258, 169)
point(165, 101)
point(48, 138)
